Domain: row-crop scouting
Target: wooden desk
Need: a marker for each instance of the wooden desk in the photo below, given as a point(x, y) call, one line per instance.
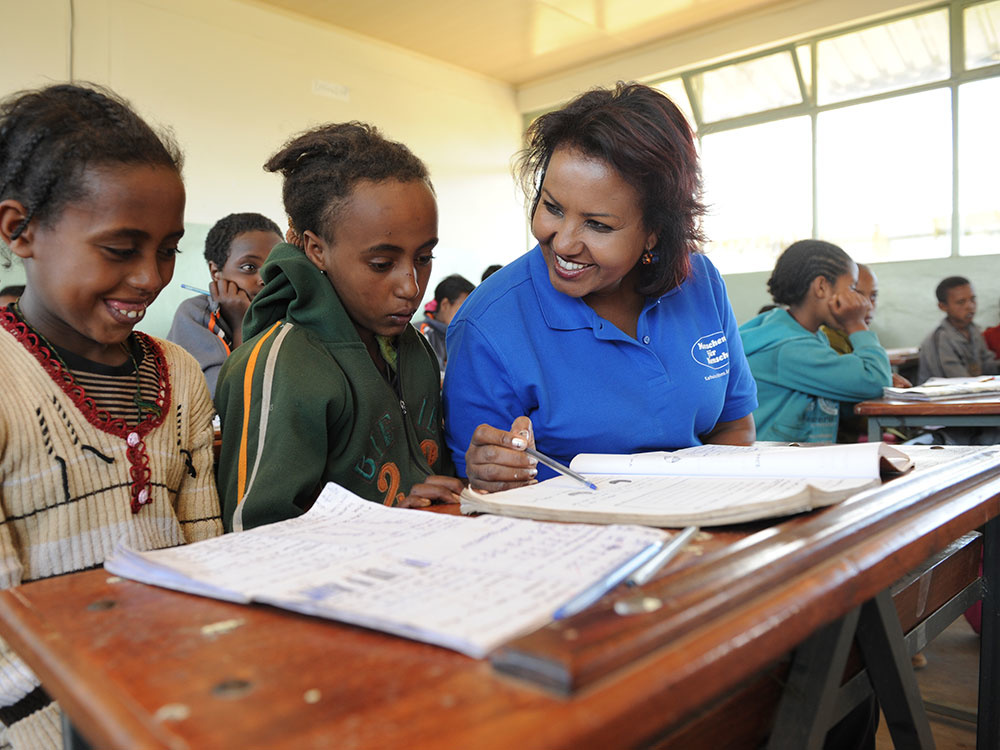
point(136, 666)
point(968, 412)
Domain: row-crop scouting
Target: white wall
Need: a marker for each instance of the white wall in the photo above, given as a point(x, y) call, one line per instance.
point(235, 80)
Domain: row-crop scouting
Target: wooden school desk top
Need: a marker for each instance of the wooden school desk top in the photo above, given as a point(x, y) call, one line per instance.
point(137, 666)
point(943, 407)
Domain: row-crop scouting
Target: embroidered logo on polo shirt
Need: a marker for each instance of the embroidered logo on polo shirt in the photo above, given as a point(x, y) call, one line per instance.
point(711, 351)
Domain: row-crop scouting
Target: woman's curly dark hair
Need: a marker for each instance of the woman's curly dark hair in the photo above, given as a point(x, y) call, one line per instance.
point(645, 137)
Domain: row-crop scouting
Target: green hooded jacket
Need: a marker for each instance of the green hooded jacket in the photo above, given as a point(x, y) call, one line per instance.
point(302, 404)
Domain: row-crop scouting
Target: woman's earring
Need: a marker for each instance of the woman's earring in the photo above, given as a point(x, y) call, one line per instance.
point(649, 257)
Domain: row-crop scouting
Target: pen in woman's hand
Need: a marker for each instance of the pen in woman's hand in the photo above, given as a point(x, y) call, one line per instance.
point(553, 464)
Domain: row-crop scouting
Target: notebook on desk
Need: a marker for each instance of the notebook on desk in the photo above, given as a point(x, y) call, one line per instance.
point(708, 485)
point(465, 584)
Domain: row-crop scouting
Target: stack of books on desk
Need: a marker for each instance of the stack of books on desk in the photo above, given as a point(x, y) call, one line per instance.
point(937, 389)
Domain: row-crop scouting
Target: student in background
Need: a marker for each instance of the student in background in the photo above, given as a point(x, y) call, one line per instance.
point(852, 426)
point(105, 433)
point(614, 334)
point(333, 384)
point(992, 338)
point(490, 270)
point(867, 286)
point(449, 295)
point(800, 378)
point(210, 326)
point(956, 348)
point(10, 294)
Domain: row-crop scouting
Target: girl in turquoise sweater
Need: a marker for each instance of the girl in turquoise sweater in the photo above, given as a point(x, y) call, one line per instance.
point(800, 378)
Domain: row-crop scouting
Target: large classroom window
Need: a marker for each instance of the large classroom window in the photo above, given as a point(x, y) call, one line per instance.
point(881, 138)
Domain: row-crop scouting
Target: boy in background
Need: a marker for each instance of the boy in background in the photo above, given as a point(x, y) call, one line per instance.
point(211, 326)
point(956, 348)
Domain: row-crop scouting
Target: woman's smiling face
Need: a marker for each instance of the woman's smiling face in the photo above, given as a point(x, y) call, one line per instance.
point(589, 224)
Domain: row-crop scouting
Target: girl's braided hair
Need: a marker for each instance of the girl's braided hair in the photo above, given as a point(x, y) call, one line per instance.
point(322, 166)
point(800, 263)
point(50, 136)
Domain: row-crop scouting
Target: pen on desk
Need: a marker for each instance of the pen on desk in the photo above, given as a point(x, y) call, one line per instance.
point(665, 555)
point(598, 589)
point(196, 289)
point(552, 464)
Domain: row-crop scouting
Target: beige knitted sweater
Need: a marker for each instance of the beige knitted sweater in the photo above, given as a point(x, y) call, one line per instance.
point(66, 490)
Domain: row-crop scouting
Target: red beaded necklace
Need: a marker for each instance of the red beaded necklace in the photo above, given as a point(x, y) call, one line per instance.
point(151, 413)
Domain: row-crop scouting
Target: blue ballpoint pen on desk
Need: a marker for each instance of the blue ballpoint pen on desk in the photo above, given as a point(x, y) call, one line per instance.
point(553, 464)
point(666, 554)
point(598, 589)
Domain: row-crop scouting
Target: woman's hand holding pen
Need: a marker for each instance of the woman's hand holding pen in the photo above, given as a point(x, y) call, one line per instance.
point(496, 459)
point(436, 489)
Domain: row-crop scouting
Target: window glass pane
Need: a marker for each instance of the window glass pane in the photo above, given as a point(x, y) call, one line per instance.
point(804, 53)
point(979, 167)
point(758, 187)
point(982, 35)
point(674, 89)
point(884, 173)
point(884, 58)
point(744, 88)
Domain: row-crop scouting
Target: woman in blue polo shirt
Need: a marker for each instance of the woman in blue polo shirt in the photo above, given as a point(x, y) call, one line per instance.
point(612, 335)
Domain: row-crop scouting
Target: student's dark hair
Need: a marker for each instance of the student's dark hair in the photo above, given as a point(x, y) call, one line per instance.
point(452, 287)
point(646, 139)
point(802, 262)
point(50, 136)
point(220, 237)
point(941, 292)
point(14, 290)
point(321, 167)
point(490, 270)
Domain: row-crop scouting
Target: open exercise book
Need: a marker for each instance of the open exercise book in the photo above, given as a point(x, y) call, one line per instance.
point(933, 389)
point(708, 485)
point(462, 583)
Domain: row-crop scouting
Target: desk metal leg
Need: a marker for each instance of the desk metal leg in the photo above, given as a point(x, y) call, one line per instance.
point(887, 659)
point(806, 711)
point(808, 705)
point(988, 736)
point(875, 430)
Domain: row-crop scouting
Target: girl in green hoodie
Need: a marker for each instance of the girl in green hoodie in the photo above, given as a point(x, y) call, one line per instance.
point(333, 384)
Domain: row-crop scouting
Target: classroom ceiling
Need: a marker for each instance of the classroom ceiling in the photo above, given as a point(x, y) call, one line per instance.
point(518, 41)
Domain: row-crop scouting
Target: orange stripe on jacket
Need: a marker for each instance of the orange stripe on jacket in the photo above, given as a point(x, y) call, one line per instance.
point(241, 474)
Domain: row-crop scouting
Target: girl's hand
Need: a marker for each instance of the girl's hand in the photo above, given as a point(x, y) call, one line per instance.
point(898, 381)
point(496, 459)
point(435, 489)
point(849, 311)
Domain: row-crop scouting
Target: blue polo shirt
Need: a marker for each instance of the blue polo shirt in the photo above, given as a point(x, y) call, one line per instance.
point(519, 347)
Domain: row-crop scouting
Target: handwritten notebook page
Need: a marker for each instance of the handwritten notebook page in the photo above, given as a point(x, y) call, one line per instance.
point(665, 500)
point(761, 460)
point(466, 584)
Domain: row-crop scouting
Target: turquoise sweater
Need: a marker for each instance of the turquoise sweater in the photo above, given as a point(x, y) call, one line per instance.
point(319, 410)
point(801, 379)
